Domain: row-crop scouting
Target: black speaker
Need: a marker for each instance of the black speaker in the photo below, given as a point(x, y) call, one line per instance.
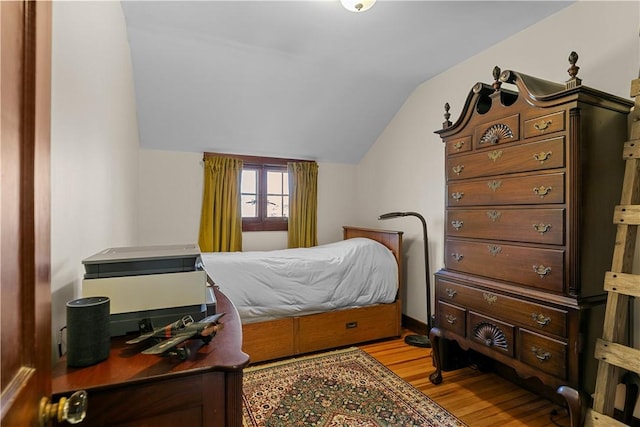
point(88, 334)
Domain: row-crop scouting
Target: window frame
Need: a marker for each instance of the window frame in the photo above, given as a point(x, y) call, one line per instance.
point(263, 165)
point(263, 222)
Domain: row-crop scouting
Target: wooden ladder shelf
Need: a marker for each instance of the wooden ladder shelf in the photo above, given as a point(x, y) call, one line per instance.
point(615, 358)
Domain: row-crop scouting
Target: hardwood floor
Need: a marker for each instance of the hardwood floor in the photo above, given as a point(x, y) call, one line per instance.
point(478, 399)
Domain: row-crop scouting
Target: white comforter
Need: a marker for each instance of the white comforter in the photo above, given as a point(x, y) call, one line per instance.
point(274, 284)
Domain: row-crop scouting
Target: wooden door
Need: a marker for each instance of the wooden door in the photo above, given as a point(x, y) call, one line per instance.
point(25, 294)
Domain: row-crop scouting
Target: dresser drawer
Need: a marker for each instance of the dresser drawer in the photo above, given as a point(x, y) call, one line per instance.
point(527, 190)
point(536, 317)
point(497, 132)
point(452, 318)
point(543, 353)
point(544, 125)
point(491, 333)
point(547, 154)
point(459, 145)
point(516, 225)
point(535, 267)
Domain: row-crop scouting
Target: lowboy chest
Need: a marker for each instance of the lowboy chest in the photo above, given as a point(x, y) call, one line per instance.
point(533, 172)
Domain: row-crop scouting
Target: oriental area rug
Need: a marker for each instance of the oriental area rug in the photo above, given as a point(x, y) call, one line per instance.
point(340, 388)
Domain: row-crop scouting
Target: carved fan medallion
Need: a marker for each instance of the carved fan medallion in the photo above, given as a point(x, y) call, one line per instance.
point(496, 133)
point(490, 335)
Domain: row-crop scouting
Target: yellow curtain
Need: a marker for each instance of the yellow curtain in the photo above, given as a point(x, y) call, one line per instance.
point(221, 217)
point(303, 204)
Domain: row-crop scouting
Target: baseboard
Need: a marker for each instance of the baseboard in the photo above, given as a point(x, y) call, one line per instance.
point(414, 325)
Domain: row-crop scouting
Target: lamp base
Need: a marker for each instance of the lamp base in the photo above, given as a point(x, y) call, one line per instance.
point(418, 341)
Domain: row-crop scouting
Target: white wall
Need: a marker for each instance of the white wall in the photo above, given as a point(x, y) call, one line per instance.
point(94, 143)
point(336, 200)
point(170, 195)
point(170, 198)
point(404, 169)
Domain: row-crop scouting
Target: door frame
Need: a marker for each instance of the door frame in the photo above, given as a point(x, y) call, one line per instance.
point(25, 213)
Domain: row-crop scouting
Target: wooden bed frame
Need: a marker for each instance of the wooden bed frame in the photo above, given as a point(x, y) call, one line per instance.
point(297, 335)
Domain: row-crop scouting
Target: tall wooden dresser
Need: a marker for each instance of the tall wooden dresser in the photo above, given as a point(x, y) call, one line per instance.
point(533, 172)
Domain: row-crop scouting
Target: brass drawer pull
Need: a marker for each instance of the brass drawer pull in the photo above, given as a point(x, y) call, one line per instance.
point(541, 319)
point(457, 224)
point(494, 215)
point(458, 257)
point(494, 185)
point(458, 145)
point(542, 125)
point(541, 228)
point(542, 190)
point(542, 156)
point(489, 298)
point(494, 250)
point(451, 319)
point(457, 169)
point(457, 196)
point(450, 292)
point(541, 270)
point(540, 355)
point(494, 155)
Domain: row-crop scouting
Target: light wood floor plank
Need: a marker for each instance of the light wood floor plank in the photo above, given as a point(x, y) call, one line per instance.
point(479, 399)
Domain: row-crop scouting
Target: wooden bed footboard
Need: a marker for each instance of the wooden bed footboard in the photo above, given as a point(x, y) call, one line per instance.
point(297, 335)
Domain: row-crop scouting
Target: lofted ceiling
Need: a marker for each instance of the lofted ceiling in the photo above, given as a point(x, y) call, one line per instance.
point(297, 79)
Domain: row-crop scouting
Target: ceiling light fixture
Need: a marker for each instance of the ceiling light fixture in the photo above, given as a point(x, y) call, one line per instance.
point(357, 5)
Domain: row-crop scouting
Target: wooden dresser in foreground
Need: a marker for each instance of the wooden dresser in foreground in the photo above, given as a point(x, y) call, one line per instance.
point(533, 172)
point(133, 389)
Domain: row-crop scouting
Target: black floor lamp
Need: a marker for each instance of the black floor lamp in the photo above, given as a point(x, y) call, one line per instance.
point(418, 340)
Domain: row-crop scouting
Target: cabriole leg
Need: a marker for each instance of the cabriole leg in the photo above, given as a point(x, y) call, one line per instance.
point(434, 336)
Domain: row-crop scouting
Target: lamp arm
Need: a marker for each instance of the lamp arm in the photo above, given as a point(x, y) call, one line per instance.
point(392, 215)
point(426, 254)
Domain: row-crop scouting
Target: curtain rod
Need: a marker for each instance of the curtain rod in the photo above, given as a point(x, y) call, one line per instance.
point(256, 159)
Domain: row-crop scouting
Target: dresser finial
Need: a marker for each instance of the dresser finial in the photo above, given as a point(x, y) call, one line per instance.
point(446, 122)
point(574, 81)
point(496, 77)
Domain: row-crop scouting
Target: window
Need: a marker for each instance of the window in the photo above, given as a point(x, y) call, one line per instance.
point(264, 192)
point(265, 196)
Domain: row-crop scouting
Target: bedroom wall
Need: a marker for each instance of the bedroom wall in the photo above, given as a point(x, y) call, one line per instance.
point(604, 34)
point(170, 198)
point(94, 144)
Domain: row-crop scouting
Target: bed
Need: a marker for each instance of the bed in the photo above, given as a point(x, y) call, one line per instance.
point(298, 304)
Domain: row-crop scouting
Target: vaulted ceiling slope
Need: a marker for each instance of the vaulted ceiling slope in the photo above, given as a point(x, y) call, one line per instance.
point(297, 79)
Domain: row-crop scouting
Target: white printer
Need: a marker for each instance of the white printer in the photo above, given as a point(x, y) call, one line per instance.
point(156, 284)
